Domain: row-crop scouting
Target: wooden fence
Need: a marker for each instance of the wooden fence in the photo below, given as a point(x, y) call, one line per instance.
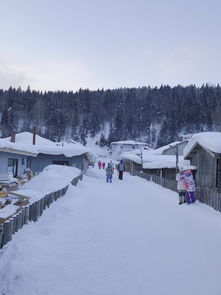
point(167, 183)
point(30, 213)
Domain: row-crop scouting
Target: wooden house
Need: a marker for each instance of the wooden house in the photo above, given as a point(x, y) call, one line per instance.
point(204, 152)
point(35, 152)
point(119, 147)
point(13, 159)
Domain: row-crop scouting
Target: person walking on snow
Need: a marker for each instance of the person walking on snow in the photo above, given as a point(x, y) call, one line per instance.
point(103, 165)
point(112, 165)
point(109, 173)
point(181, 186)
point(190, 187)
point(99, 164)
point(121, 169)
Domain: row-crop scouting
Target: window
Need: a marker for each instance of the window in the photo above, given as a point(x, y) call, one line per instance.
point(13, 167)
point(64, 163)
point(218, 173)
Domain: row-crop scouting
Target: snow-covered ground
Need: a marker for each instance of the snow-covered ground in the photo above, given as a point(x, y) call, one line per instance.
point(51, 179)
point(126, 238)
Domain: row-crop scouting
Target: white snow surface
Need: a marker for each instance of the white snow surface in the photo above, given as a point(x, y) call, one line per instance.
point(132, 142)
point(161, 149)
point(6, 144)
point(51, 179)
point(208, 140)
point(157, 161)
point(23, 141)
point(130, 237)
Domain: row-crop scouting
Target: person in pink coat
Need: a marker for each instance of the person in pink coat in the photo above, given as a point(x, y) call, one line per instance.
point(181, 186)
point(190, 187)
point(99, 163)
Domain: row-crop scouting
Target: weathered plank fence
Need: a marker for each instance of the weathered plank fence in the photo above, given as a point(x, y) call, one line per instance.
point(167, 183)
point(30, 213)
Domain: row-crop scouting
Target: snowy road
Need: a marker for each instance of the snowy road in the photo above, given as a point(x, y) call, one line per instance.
point(125, 238)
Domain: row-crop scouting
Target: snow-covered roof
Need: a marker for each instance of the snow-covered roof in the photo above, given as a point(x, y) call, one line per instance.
point(7, 146)
point(168, 162)
point(208, 140)
point(160, 150)
point(147, 154)
point(23, 142)
point(130, 142)
point(156, 161)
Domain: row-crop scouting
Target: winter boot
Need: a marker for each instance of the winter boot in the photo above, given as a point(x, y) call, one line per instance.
point(183, 199)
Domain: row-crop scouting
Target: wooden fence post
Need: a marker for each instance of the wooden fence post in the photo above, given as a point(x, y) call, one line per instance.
point(1, 234)
point(7, 232)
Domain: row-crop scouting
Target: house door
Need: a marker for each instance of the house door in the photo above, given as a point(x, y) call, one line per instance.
point(13, 167)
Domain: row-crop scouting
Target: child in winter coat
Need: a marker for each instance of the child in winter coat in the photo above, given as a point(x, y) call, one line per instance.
point(109, 173)
point(181, 186)
point(190, 187)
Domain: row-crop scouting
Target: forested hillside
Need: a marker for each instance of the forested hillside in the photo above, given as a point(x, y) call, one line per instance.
point(156, 115)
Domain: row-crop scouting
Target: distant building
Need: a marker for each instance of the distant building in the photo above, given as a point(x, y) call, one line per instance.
point(159, 165)
point(119, 147)
point(171, 150)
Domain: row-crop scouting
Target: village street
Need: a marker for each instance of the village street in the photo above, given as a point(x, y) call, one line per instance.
point(126, 238)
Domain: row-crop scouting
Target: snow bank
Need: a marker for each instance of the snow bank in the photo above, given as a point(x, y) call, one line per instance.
point(208, 140)
point(8, 211)
point(53, 178)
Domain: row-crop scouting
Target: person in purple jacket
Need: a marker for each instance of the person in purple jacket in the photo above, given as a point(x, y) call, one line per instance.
point(190, 187)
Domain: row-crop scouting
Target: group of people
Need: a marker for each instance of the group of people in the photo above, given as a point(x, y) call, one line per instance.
point(185, 186)
point(101, 164)
point(110, 170)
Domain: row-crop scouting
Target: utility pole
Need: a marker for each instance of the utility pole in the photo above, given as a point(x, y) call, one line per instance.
point(175, 149)
point(141, 156)
point(177, 158)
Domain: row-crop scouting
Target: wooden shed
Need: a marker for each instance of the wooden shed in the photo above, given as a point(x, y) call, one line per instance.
point(204, 152)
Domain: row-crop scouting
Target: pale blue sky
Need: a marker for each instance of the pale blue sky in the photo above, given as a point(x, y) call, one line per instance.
point(68, 44)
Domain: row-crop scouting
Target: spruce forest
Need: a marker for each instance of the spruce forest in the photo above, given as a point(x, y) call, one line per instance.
point(157, 115)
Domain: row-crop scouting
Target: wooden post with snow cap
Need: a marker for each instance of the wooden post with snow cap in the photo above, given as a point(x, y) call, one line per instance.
point(34, 136)
point(13, 136)
point(7, 232)
point(1, 234)
point(74, 181)
point(26, 209)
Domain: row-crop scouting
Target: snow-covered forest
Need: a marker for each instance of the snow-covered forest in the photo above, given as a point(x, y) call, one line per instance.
point(155, 115)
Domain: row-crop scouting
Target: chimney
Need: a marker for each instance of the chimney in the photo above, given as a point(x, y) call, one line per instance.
point(13, 137)
point(34, 136)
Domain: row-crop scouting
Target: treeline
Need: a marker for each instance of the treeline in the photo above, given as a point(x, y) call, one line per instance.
point(157, 115)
